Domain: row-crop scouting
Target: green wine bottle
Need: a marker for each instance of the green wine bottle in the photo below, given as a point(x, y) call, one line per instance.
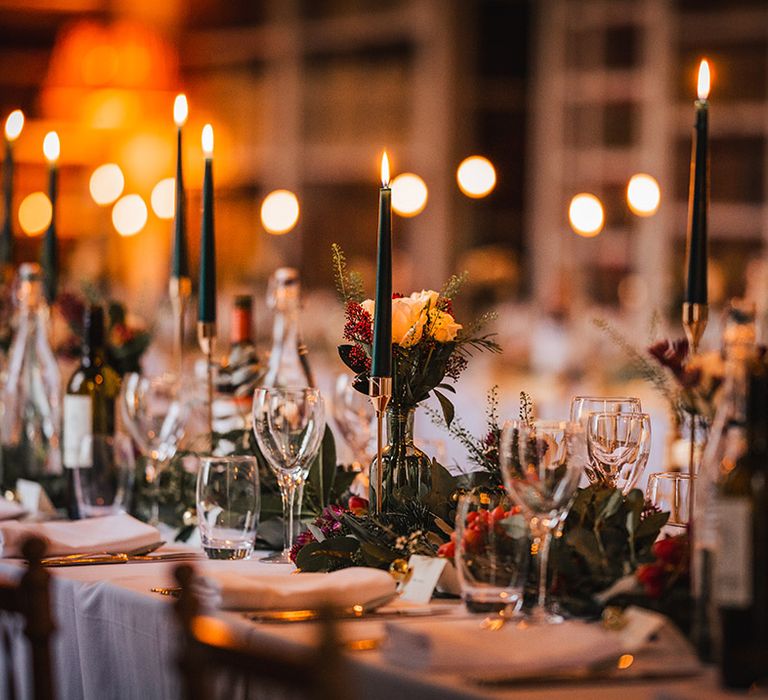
point(89, 402)
point(741, 565)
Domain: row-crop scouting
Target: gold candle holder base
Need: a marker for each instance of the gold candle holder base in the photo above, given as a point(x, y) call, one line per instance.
point(380, 393)
point(180, 291)
point(695, 323)
point(206, 338)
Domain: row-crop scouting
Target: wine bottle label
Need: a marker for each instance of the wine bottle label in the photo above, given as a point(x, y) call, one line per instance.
point(78, 429)
point(733, 563)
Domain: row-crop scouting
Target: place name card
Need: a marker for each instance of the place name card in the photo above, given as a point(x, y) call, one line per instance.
point(423, 574)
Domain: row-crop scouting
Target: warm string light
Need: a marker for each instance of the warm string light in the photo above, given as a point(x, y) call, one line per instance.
point(129, 215)
point(280, 211)
point(643, 194)
point(586, 215)
point(409, 194)
point(476, 176)
point(51, 147)
point(14, 124)
point(35, 213)
point(106, 184)
point(163, 198)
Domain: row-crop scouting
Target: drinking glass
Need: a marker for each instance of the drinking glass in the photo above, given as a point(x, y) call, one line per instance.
point(492, 551)
point(353, 414)
point(583, 406)
point(103, 479)
point(155, 413)
point(541, 462)
point(668, 491)
point(289, 426)
point(618, 445)
point(228, 506)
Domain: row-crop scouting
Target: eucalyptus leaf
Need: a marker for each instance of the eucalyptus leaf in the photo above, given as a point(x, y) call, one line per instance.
point(447, 407)
point(329, 555)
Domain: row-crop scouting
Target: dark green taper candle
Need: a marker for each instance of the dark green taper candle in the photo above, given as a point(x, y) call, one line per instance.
point(382, 322)
point(179, 259)
point(698, 197)
point(13, 126)
point(207, 291)
point(50, 253)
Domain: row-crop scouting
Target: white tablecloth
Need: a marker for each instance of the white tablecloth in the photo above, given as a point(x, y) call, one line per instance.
point(116, 639)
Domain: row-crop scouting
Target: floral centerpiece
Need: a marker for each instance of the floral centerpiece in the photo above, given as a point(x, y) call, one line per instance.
point(430, 349)
point(127, 336)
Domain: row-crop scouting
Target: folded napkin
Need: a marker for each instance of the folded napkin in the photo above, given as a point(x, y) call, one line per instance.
point(10, 509)
point(112, 533)
point(243, 585)
point(463, 646)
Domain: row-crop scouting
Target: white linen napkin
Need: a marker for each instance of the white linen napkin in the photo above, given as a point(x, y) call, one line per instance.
point(112, 533)
point(244, 585)
point(10, 509)
point(463, 646)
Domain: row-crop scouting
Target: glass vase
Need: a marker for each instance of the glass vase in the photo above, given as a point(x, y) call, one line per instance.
point(406, 470)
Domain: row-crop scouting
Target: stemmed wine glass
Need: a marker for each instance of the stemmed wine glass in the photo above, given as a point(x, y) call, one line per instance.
point(289, 426)
point(352, 414)
point(618, 445)
point(155, 414)
point(541, 462)
point(583, 406)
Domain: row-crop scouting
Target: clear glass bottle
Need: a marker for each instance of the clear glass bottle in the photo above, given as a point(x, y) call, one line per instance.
point(288, 365)
point(240, 371)
point(31, 420)
point(726, 444)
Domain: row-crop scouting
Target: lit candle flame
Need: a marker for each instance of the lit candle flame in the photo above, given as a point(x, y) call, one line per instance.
point(51, 146)
point(180, 110)
point(703, 88)
point(208, 140)
point(14, 124)
point(384, 170)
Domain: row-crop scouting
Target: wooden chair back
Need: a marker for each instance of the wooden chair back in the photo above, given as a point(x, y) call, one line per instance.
point(30, 599)
point(211, 649)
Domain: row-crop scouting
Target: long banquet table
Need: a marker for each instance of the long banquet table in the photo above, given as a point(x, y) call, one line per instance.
point(116, 639)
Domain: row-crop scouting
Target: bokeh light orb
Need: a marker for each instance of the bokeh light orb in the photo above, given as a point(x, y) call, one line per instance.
point(280, 211)
point(476, 177)
point(35, 213)
point(643, 194)
point(409, 194)
point(129, 215)
point(163, 198)
point(586, 215)
point(106, 184)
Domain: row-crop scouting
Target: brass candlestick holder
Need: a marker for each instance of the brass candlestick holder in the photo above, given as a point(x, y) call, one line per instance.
point(180, 290)
point(379, 392)
point(695, 323)
point(206, 337)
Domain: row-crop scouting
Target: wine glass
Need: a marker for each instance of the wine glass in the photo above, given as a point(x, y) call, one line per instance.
point(618, 445)
point(583, 406)
point(668, 491)
point(289, 426)
point(352, 414)
point(541, 462)
point(155, 414)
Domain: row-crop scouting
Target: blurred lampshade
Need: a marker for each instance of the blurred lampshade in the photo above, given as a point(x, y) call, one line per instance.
point(163, 198)
point(409, 194)
point(129, 215)
point(476, 176)
point(586, 215)
point(280, 211)
point(106, 184)
point(35, 213)
point(643, 194)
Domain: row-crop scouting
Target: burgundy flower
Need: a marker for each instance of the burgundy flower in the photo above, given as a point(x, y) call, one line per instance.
point(358, 359)
point(671, 355)
point(302, 540)
point(359, 325)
